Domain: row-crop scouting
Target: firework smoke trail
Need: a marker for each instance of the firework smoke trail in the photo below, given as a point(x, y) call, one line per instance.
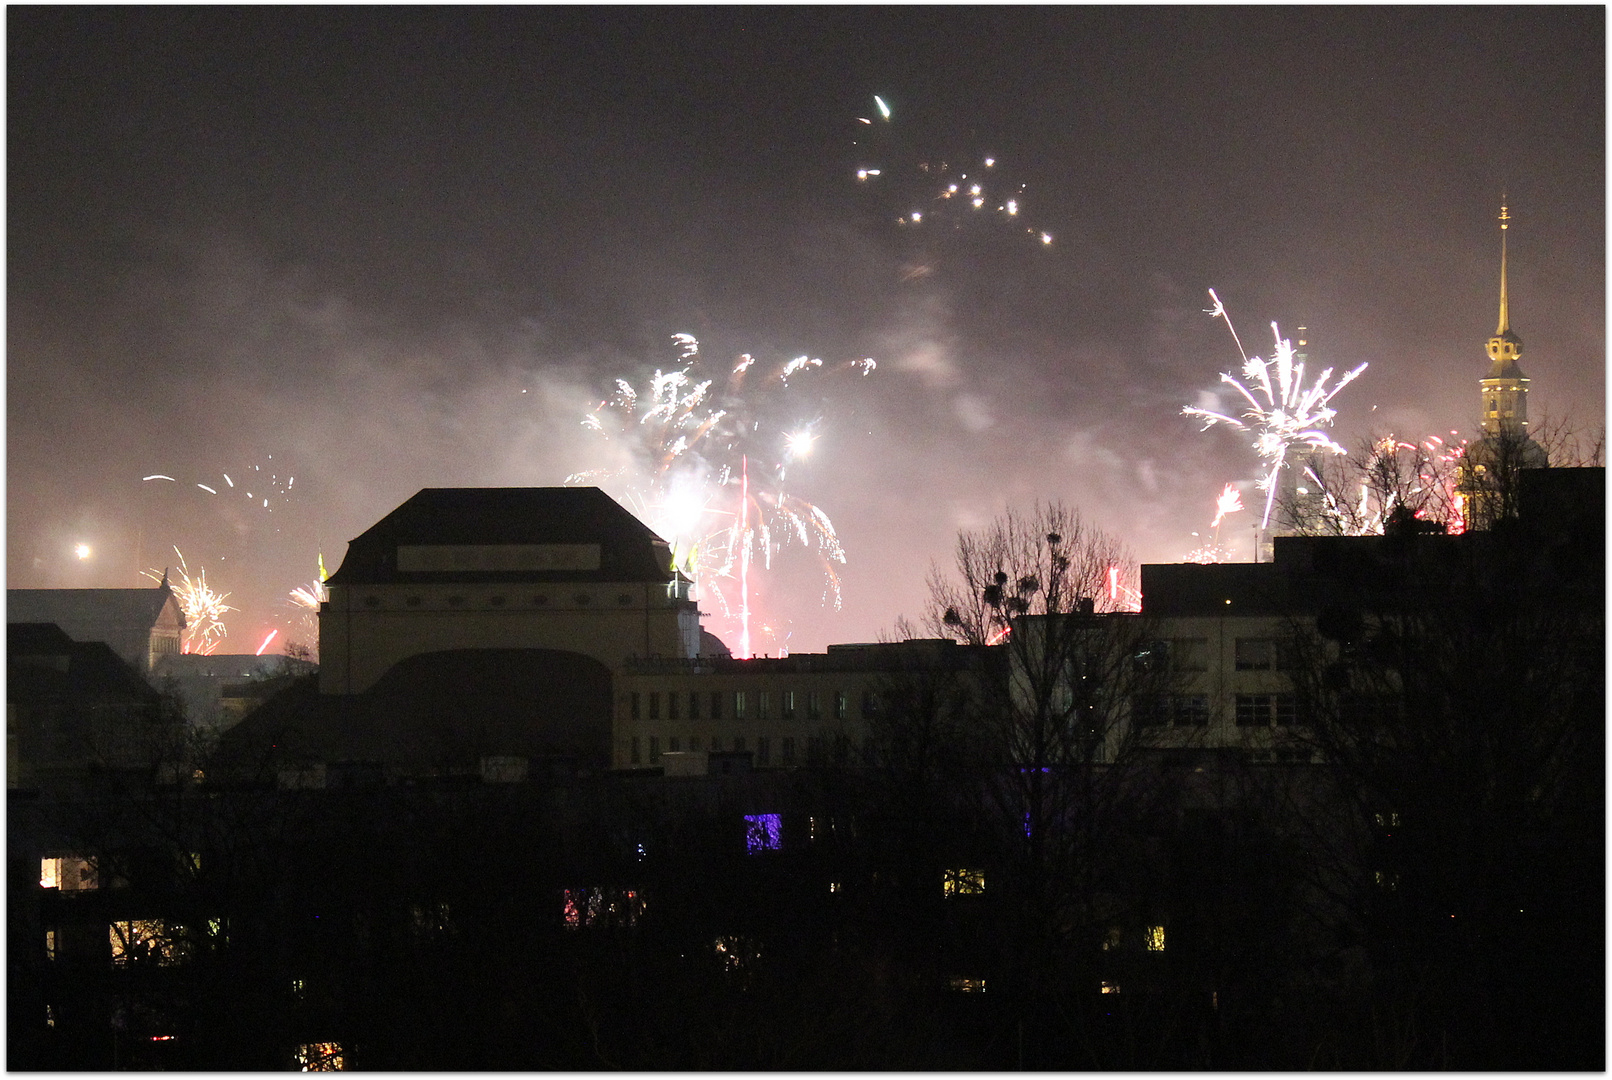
point(697, 444)
point(203, 608)
point(936, 193)
point(1290, 414)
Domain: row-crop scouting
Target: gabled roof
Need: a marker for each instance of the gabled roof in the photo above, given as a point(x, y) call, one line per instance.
point(41, 660)
point(82, 613)
point(507, 517)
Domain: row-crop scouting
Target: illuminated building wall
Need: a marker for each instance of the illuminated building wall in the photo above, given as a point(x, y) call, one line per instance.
point(502, 568)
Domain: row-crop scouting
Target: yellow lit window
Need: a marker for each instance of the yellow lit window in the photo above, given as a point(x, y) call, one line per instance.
point(321, 1057)
point(1110, 988)
point(148, 941)
point(968, 986)
point(1155, 939)
point(964, 882)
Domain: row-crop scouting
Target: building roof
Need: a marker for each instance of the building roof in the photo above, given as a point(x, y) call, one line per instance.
point(553, 534)
point(83, 613)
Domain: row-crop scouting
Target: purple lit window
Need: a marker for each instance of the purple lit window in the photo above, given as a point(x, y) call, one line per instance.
point(762, 832)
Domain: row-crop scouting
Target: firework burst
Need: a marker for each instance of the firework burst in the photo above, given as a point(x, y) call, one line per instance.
point(1281, 410)
point(204, 609)
point(710, 454)
point(936, 193)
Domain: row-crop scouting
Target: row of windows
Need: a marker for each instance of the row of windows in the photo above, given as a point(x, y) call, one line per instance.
point(1192, 654)
point(536, 600)
point(1192, 710)
point(1179, 710)
point(741, 702)
point(815, 746)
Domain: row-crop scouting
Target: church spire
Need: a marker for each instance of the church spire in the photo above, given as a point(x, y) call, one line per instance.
point(1505, 315)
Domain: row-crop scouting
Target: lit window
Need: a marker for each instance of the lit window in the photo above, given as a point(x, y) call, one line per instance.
point(835, 886)
point(963, 882)
point(1155, 939)
point(839, 704)
point(738, 706)
point(736, 953)
point(69, 874)
point(50, 944)
point(321, 1057)
point(602, 907)
point(813, 711)
point(1110, 988)
point(787, 698)
point(762, 832)
point(1388, 880)
point(968, 986)
point(148, 941)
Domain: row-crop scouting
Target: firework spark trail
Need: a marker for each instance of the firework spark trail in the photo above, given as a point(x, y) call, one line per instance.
point(203, 608)
point(695, 442)
point(934, 193)
point(1290, 414)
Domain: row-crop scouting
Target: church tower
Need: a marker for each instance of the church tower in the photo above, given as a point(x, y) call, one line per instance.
point(1489, 470)
point(1505, 391)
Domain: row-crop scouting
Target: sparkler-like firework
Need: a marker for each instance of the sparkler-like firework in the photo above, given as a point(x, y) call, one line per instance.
point(709, 468)
point(262, 488)
point(204, 609)
point(1229, 502)
point(1286, 414)
point(935, 193)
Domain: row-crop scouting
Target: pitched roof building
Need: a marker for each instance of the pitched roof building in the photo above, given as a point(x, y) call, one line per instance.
point(139, 624)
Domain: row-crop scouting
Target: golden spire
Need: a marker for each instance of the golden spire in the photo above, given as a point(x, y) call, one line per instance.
point(1505, 318)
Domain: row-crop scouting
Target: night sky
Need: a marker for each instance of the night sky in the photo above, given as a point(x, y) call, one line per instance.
point(384, 249)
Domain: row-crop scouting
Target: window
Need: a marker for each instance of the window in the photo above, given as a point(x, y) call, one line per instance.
point(870, 703)
point(601, 907)
point(635, 709)
point(671, 704)
point(1192, 711)
point(654, 704)
point(787, 751)
point(963, 881)
point(839, 704)
point(634, 758)
point(813, 711)
point(321, 1057)
point(673, 744)
point(1190, 654)
point(1263, 710)
point(787, 699)
point(50, 944)
point(968, 986)
point(1254, 710)
point(654, 749)
point(1153, 656)
point(762, 748)
point(1255, 654)
point(1286, 709)
point(738, 706)
point(694, 705)
point(1150, 710)
point(147, 941)
point(762, 702)
point(762, 832)
point(716, 704)
point(1155, 939)
point(69, 874)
